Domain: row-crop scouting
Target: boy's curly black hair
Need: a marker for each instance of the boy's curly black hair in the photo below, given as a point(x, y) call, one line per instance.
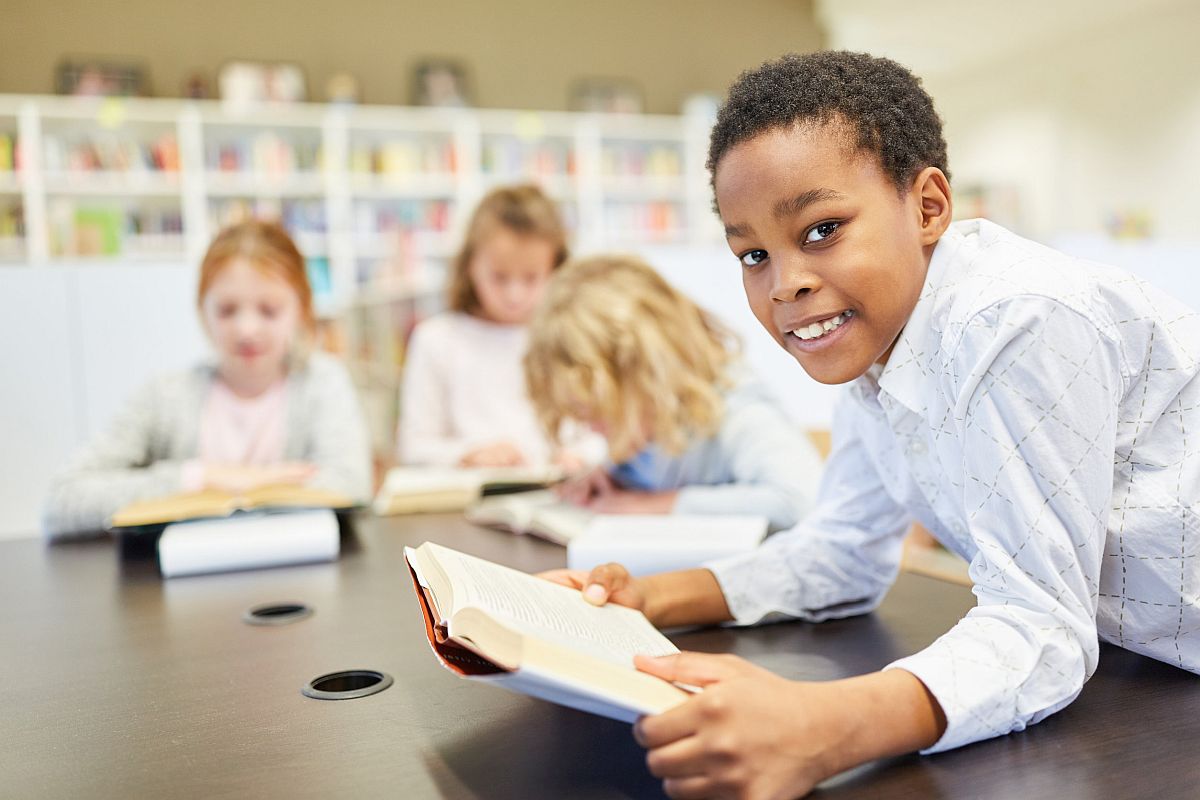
point(880, 102)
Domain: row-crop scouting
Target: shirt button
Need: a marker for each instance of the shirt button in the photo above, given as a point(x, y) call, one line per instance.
point(917, 447)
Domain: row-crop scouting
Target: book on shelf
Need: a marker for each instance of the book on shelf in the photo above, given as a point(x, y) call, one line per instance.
point(107, 153)
point(211, 503)
point(8, 152)
point(643, 543)
point(493, 624)
point(413, 490)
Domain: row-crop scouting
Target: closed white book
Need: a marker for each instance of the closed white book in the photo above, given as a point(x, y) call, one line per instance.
point(248, 541)
point(649, 543)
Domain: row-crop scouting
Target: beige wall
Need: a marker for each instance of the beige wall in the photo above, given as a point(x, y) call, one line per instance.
point(1084, 109)
point(521, 53)
point(1102, 124)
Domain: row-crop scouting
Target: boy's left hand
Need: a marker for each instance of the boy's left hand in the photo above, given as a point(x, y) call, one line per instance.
point(749, 734)
point(625, 501)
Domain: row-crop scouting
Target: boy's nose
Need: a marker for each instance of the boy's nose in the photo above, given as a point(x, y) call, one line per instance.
point(792, 280)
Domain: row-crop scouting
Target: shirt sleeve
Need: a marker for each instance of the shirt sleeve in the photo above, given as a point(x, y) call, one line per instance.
point(837, 562)
point(426, 432)
point(775, 468)
point(118, 467)
point(1034, 387)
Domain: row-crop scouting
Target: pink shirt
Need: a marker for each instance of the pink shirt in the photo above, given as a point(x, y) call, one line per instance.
point(239, 430)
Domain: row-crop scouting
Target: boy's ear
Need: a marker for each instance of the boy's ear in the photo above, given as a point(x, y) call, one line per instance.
point(932, 191)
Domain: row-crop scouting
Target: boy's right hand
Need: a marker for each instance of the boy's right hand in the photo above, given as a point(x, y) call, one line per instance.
point(607, 583)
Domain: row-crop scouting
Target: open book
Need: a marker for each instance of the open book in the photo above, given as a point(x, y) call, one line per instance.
point(498, 625)
point(212, 503)
point(540, 513)
point(413, 490)
point(643, 543)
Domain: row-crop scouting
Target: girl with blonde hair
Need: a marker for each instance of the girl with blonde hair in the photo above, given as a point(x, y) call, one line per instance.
point(615, 346)
point(264, 411)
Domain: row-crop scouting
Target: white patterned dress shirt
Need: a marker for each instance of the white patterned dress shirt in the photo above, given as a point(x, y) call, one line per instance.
point(1041, 417)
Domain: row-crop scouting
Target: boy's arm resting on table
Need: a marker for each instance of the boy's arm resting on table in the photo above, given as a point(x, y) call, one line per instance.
point(338, 445)
point(116, 468)
point(751, 733)
point(1037, 388)
point(840, 560)
point(775, 467)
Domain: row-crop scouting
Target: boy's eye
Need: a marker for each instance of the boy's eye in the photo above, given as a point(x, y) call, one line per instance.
point(754, 258)
point(821, 232)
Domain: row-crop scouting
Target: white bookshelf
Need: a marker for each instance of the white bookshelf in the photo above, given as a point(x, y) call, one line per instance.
point(374, 192)
point(376, 197)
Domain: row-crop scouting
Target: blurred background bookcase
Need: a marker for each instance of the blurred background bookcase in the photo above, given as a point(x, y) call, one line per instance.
point(374, 196)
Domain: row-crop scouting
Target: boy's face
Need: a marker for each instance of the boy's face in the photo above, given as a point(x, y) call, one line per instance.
point(833, 257)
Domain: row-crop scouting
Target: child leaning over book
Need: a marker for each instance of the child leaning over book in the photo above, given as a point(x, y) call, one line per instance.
point(689, 430)
point(463, 400)
point(265, 411)
point(1036, 413)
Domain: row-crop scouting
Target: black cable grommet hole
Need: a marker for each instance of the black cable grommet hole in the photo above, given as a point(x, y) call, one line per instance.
point(277, 613)
point(347, 684)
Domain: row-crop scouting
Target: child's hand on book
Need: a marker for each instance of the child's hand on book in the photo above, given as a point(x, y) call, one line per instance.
point(626, 501)
point(500, 454)
point(242, 478)
point(585, 488)
point(750, 733)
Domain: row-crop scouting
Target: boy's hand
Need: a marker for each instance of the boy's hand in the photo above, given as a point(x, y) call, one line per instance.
point(684, 597)
point(607, 583)
point(749, 734)
point(500, 454)
point(753, 734)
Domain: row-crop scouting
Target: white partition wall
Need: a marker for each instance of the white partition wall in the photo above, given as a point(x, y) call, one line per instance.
point(74, 342)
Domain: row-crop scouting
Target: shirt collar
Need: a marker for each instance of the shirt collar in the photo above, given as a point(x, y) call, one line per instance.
point(905, 377)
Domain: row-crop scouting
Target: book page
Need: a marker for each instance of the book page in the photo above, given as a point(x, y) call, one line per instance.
point(291, 495)
point(550, 612)
point(511, 511)
point(209, 503)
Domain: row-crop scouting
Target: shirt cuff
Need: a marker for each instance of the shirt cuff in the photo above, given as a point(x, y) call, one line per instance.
point(732, 573)
point(974, 688)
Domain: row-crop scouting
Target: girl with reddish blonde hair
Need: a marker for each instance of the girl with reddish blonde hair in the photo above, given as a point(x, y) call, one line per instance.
point(265, 410)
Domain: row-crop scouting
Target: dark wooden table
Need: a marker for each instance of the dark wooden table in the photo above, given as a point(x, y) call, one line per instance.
point(115, 683)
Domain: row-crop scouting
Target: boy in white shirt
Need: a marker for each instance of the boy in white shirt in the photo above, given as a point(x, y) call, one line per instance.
point(1040, 415)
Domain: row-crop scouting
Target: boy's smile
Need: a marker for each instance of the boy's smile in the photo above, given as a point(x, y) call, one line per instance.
point(833, 256)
